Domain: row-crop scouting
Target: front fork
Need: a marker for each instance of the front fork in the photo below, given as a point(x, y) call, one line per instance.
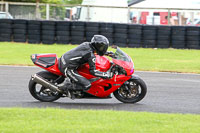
point(127, 83)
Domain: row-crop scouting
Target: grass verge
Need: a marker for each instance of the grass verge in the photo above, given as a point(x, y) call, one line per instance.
point(172, 60)
point(18, 120)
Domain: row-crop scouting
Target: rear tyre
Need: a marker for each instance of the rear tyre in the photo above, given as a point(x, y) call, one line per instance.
point(41, 93)
point(132, 92)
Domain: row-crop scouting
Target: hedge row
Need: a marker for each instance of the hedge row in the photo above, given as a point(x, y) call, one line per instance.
point(76, 32)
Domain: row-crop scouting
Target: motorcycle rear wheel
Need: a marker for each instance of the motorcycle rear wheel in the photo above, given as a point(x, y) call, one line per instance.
point(41, 93)
point(132, 92)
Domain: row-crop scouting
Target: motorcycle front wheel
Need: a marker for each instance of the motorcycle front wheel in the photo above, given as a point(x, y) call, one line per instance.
point(42, 93)
point(131, 91)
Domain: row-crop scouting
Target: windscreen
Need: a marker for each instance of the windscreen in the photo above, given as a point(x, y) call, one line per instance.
point(120, 55)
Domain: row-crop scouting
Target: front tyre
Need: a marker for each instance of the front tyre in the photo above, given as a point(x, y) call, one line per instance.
point(131, 91)
point(41, 93)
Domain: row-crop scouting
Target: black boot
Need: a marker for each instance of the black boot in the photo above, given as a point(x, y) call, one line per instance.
point(78, 87)
point(71, 94)
point(67, 87)
point(64, 85)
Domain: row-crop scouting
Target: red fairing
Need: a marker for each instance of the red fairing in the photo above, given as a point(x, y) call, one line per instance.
point(102, 64)
point(128, 66)
point(54, 69)
point(39, 60)
point(104, 87)
point(98, 87)
point(84, 71)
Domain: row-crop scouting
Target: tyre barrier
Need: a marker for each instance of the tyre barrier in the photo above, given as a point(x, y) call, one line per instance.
point(120, 35)
point(5, 30)
point(149, 36)
point(91, 29)
point(107, 30)
point(19, 30)
point(34, 32)
point(134, 35)
point(192, 37)
point(63, 32)
point(48, 32)
point(76, 32)
point(163, 36)
point(178, 37)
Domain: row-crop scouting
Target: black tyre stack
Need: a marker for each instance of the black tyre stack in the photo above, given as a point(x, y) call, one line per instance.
point(134, 35)
point(106, 29)
point(5, 30)
point(48, 32)
point(77, 32)
point(19, 30)
point(149, 36)
point(120, 34)
point(163, 36)
point(192, 37)
point(123, 35)
point(34, 32)
point(178, 37)
point(63, 32)
point(92, 29)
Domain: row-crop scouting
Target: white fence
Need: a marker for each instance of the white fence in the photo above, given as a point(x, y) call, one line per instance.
point(155, 16)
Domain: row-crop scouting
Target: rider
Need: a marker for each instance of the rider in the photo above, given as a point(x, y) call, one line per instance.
point(84, 53)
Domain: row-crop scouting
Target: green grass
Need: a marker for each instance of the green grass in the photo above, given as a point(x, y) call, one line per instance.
point(173, 60)
point(145, 59)
point(17, 120)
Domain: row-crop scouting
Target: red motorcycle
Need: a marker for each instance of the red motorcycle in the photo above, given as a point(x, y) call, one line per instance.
point(125, 86)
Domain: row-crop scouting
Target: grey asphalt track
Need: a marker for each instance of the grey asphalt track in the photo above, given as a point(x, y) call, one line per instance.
point(167, 93)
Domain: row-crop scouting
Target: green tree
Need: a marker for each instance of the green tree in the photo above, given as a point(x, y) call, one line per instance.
point(56, 12)
point(50, 1)
point(72, 1)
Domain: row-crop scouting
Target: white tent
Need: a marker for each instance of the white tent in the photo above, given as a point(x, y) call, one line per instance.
point(185, 4)
point(104, 14)
point(185, 15)
point(117, 3)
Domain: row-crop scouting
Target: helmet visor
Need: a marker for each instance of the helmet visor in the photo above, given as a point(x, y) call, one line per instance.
point(102, 48)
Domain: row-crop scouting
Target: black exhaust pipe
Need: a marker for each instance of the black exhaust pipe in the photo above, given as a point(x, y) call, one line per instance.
point(45, 83)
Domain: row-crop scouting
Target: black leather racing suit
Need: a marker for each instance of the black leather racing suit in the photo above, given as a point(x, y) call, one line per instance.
point(71, 60)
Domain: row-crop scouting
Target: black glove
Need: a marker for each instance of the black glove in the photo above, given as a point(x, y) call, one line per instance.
point(110, 53)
